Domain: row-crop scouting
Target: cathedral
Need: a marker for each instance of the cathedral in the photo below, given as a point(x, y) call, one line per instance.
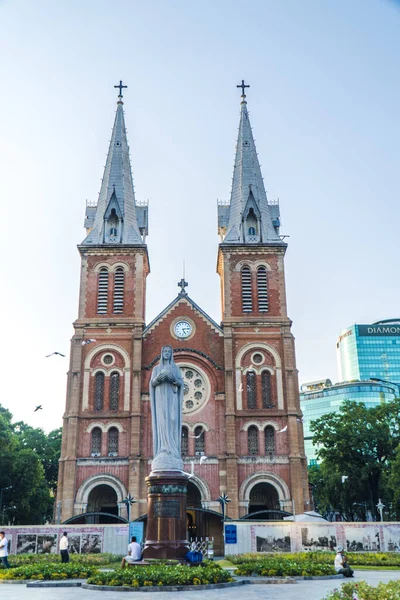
point(242, 431)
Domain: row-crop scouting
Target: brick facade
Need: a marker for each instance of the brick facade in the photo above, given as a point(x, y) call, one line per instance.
point(256, 343)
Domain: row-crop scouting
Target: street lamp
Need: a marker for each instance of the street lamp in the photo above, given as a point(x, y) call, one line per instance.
point(380, 506)
point(9, 487)
point(223, 500)
point(129, 501)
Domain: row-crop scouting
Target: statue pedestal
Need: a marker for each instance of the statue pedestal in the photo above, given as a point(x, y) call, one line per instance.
point(166, 516)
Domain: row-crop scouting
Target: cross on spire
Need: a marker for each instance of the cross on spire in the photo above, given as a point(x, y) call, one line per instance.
point(243, 86)
point(121, 87)
point(182, 284)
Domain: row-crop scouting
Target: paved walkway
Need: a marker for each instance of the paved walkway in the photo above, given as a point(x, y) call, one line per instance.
point(307, 590)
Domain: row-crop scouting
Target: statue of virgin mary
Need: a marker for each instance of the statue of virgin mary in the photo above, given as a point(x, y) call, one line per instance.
point(166, 397)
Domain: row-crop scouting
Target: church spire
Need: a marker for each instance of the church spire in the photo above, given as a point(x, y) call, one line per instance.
point(248, 218)
point(116, 219)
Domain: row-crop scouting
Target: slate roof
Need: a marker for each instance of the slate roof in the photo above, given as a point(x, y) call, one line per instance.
point(117, 189)
point(248, 185)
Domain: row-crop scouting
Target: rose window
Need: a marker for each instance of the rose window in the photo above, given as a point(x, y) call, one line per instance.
point(195, 388)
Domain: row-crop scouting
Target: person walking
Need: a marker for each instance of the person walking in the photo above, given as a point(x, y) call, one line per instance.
point(134, 553)
point(4, 550)
point(341, 566)
point(64, 548)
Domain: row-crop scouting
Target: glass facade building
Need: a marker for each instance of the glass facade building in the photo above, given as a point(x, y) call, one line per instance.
point(370, 351)
point(321, 397)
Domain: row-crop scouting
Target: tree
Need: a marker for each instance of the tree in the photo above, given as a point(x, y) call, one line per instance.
point(394, 484)
point(359, 443)
point(29, 464)
point(47, 447)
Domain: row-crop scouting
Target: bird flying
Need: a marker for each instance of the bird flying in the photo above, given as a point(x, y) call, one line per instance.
point(89, 341)
point(283, 430)
point(39, 407)
point(196, 437)
point(58, 353)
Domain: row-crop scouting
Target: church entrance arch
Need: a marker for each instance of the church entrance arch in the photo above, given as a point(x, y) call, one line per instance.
point(263, 496)
point(103, 498)
point(193, 496)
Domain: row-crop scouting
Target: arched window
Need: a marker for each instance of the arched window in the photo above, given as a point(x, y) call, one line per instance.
point(199, 441)
point(95, 446)
point(113, 435)
point(251, 389)
point(269, 433)
point(185, 441)
point(252, 440)
point(247, 299)
point(251, 224)
point(262, 289)
point(119, 281)
point(114, 391)
point(102, 292)
point(112, 225)
point(266, 390)
point(99, 391)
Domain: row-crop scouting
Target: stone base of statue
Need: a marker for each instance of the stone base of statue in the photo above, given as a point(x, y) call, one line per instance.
point(166, 515)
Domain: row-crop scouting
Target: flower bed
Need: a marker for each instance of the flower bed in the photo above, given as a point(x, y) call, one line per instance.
point(79, 559)
point(49, 571)
point(284, 566)
point(363, 591)
point(162, 575)
point(389, 559)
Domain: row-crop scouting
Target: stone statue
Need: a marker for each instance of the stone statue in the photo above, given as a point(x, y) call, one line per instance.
point(166, 397)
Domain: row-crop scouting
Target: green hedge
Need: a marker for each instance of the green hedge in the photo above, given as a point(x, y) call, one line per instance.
point(361, 590)
point(389, 559)
point(273, 566)
point(49, 571)
point(160, 575)
point(80, 559)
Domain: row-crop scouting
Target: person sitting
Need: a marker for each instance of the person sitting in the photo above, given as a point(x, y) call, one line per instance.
point(134, 553)
point(341, 566)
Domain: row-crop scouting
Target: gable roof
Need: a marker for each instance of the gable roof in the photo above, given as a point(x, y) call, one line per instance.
point(183, 298)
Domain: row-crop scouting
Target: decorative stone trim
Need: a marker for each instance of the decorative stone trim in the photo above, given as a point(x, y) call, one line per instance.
point(167, 489)
point(193, 350)
point(104, 460)
point(264, 460)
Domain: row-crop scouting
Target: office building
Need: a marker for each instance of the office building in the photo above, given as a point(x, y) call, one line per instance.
point(370, 352)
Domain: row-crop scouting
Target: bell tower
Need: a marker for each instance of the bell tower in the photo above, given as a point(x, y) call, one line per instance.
point(264, 433)
point(102, 420)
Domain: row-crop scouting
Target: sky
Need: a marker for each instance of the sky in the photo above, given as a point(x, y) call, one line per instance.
point(324, 105)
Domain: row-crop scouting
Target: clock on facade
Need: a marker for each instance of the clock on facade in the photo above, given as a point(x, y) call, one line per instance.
point(182, 329)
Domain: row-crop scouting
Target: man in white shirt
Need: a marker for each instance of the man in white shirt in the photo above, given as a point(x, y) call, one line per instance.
point(134, 553)
point(4, 550)
point(341, 566)
point(64, 548)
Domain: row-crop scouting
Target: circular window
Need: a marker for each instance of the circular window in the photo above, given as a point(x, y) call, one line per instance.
point(257, 358)
point(107, 359)
point(196, 388)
